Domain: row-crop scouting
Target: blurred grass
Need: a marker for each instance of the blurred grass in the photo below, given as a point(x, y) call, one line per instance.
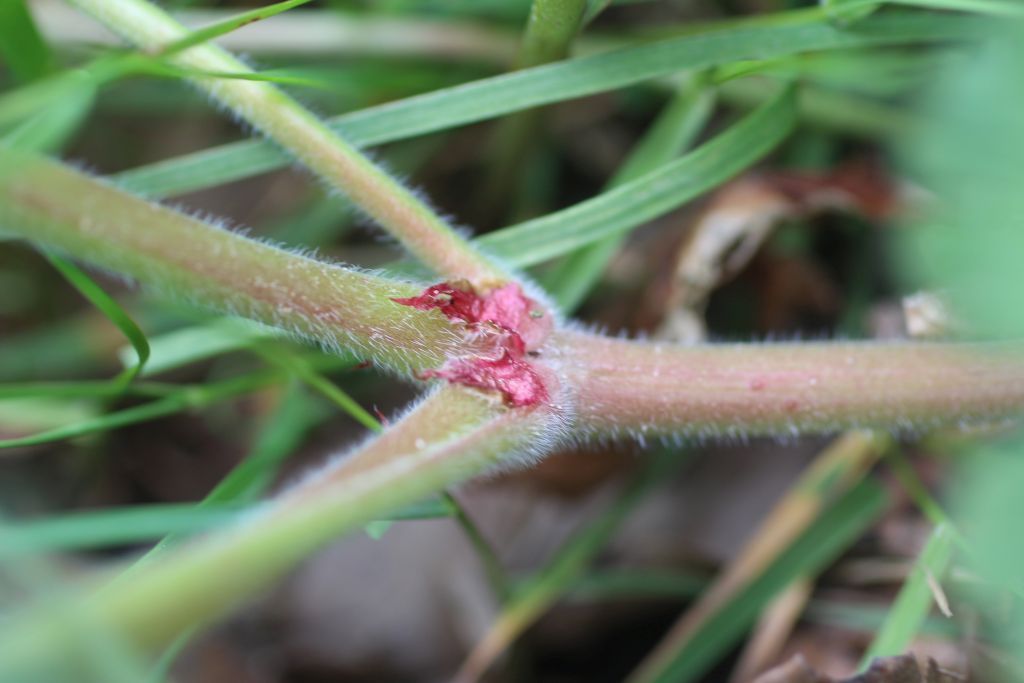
point(535, 595)
point(973, 157)
point(915, 600)
point(832, 532)
point(810, 508)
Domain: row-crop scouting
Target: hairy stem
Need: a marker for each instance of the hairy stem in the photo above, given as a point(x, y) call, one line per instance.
point(782, 389)
point(59, 208)
point(448, 437)
point(311, 141)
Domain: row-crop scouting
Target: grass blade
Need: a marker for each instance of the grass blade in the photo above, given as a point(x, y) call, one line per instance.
point(831, 533)
point(104, 528)
point(110, 308)
point(228, 25)
point(831, 475)
point(910, 610)
point(542, 590)
point(21, 47)
point(197, 343)
point(295, 414)
point(193, 397)
point(650, 195)
point(675, 129)
point(492, 97)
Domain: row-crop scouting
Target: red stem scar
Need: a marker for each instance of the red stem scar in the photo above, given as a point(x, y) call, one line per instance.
point(508, 318)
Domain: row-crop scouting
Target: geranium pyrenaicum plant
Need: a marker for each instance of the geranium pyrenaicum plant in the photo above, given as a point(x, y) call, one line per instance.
point(512, 379)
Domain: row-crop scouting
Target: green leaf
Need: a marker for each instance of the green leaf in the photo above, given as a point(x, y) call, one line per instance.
point(491, 97)
point(650, 195)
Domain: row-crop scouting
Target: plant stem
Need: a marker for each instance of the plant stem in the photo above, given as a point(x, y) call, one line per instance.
point(786, 389)
point(311, 141)
point(549, 32)
point(450, 436)
point(185, 257)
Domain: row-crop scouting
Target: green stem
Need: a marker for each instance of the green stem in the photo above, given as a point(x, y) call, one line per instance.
point(550, 30)
point(310, 140)
point(63, 209)
point(448, 437)
point(731, 389)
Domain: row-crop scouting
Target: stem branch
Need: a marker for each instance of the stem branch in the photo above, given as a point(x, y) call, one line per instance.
point(312, 142)
point(336, 307)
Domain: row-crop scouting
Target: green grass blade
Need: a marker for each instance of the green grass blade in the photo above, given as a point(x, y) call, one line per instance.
point(278, 438)
point(674, 130)
point(827, 109)
point(104, 528)
point(910, 610)
point(50, 129)
point(834, 531)
point(140, 524)
point(22, 48)
point(83, 389)
point(29, 58)
point(214, 31)
point(492, 97)
point(632, 584)
point(996, 8)
point(613, 584)
point(619, 210)
point(192, 397)
point(534, 596)
point(187, 345)
point(300, 369)
point(21, 104)
point(110, 308)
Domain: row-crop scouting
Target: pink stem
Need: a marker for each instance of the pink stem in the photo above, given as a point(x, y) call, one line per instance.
point(741, 389)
